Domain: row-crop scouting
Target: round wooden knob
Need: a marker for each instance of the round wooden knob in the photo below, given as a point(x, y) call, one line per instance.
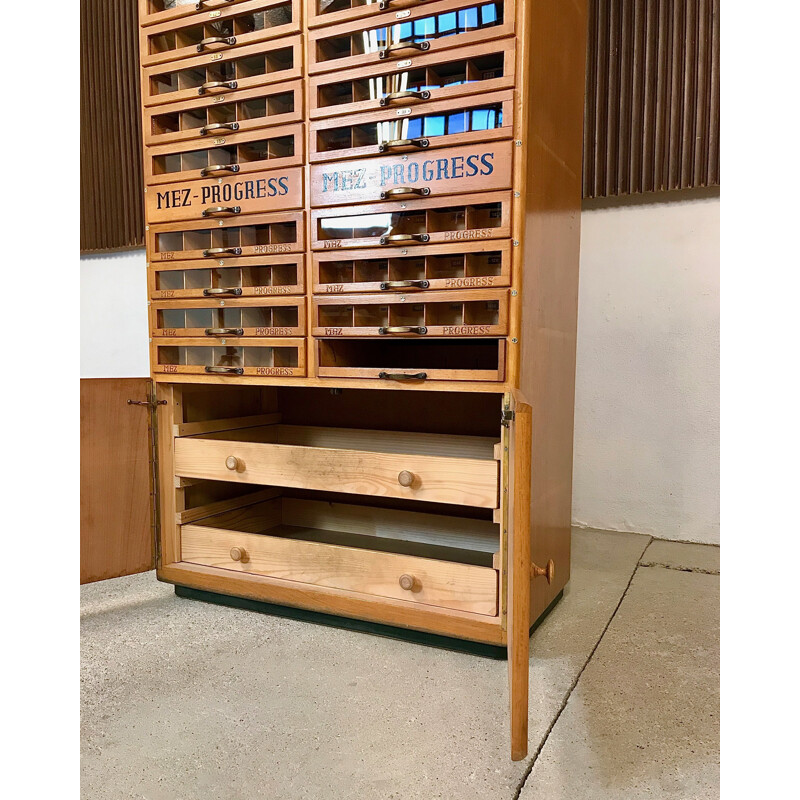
point(405, 478)
point(239, 554)
point(231, 462)
point(548, 572)
point(407, 582)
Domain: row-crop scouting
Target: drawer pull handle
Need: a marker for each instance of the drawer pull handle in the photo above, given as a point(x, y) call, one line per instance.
point(213, 252)
point(217, 126)
point(225, 370)
point(224, 331)
point(393, 48)
point(239, 554)
point(407, 582)
point(406, 478)
point(229, 40)
point(212, 211)
point(405, 285)
point(420, 329)
point(403, 376)
point(548, 572)
point(236, 292)
point(405, 237)
point(407, 95)
point(199, 5)
point(233, 463)
point(423, 191)
point(209, 85)
point(421, 143)
point(218, 168)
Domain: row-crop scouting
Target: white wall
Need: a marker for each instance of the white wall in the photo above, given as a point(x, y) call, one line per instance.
point(647, 394)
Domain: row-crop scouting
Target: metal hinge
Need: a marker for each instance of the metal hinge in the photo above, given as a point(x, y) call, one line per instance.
point(507, 417)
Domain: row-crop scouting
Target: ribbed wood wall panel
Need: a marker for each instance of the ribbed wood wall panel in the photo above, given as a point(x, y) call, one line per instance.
point(112, 214)
point(652, 96)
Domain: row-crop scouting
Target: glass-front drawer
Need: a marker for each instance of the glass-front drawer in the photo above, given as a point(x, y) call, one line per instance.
point(237, 154)
point(483, 68)
point(446, 123)
point(281, 358)
point(215, 117)
point(249, 238)
point(395, 269)
point(228, 319)
point(228, 277)
point(476, 167)
point(225, 197)
point(218, 30)
point(151, 12)
point(477, 312)
point(402, 34)
point(435, 221)
point(223, 73)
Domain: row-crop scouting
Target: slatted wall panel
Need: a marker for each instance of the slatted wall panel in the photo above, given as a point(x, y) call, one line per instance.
point(652, 99)
point(112, 216)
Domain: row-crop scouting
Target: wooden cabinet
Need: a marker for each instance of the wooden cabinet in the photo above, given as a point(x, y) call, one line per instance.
point(362, 244)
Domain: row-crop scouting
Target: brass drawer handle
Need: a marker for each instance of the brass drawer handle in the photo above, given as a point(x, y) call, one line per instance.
point(403, 376)
point(407, 95)
point(239, 554)
point(209, 85)
point(219, 168)
point(229, 40)
point(199, 5)
point(406, 478)
point(218, 126)
point(401, 191)
point(421, 143)
point(212, 211)
point(213, 252)
point(405, 285)
point(407, 582)
point(393, 48)
point(405, 237)
point(395, 329)
point(236, 292)
point(224, 331)
point(225, 370)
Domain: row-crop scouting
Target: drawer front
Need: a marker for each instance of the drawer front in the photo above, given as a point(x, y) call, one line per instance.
point(238, 154)
point(151, 12)
point(415, 222)
point(459, 481)
point(226, 197)
point(219, 29)
point(448, 123)
point(278, 317)
point(459, 170)
point(481, 312)
point(280, 358)
point(438, 583)
point(393, 269)
point(402, 34)
point(218, 116)
point(480, 69)
point(223, 73)
point(228, 278)
point(214, 241)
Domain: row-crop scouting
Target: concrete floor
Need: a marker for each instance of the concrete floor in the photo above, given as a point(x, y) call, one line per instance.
point(183, 700)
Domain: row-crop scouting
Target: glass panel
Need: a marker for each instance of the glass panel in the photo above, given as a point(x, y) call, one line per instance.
point(170, 280)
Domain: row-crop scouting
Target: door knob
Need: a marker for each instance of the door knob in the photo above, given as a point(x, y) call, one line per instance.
point(548, 572)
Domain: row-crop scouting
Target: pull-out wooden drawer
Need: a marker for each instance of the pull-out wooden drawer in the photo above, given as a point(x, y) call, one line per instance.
point(436, 468)
point(225, 197)
point(281, 358)
point(433, 559)
point(152, 12)
point(478, 265)
point(447, 123)
point(249, 238)
point(477, 312)
point(456, 171)
point(214, 117)
point(401, 34)
point(433, 220)
point(228, 277)
point(227, 319)
point(218, 30)
point(238, 154)
point(223, 73)
point(480, 69)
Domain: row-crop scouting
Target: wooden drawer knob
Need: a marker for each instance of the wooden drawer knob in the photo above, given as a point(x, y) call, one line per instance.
point(407, 582)
point(239, 554)
point(233, 463)
point(548, 572)
point(405, 478)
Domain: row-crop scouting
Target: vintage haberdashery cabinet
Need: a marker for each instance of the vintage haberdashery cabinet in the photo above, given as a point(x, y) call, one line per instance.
point(362, 242)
